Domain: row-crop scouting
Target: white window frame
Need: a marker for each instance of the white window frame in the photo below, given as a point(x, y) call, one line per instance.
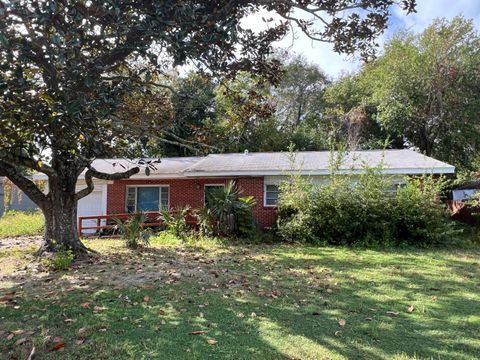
point(265, 194)
point(205, 193)
point(136, 195)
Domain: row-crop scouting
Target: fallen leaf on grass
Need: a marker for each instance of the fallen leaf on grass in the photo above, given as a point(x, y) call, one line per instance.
point(69, 320)
point(80, 341)
point(58, 339)
point(338, 333)
point(7, 297)
point(393, 313)
point(341, 322)
point(58, 347)
point(146, 299)
point(10, 337)
point(212, 342)
point(410, 309)
point(85, 305)
point(97, 309)
point(198, 332)
point(19, 332)
point(20, 341)
point(434, 298)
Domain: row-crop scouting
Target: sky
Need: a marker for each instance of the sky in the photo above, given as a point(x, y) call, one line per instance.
point(334, 64)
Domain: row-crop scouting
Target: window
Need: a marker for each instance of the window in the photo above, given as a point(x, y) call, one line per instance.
point(271, 195)
point(393, 188)
point(209, 189)
point(147, 198)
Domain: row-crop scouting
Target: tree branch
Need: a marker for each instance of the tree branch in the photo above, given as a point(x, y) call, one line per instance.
point(91, 173)
point(23, 183)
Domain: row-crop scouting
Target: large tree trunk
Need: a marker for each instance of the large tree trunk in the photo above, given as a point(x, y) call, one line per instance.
point(60, 211)
point(61, 224)
point(59, 205)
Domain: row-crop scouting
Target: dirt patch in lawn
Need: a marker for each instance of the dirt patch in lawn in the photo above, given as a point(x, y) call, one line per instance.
point(20, 242)
point(114, 267)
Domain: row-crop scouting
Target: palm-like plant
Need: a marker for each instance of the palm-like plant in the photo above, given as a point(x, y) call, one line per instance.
point(229, 210)
point(205, 221)
point(133, 231)
point(176, 221)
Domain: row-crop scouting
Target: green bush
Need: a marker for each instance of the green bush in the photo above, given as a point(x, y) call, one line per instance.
point(363, 210)
point(176, 222)
point(133, 232)
point(205, 222)
point(62, 259)
point(232, 214)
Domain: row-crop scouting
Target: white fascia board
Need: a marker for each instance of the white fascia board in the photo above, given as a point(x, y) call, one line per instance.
point(399, 171)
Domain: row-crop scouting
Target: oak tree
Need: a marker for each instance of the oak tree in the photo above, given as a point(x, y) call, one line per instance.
point(66, 67)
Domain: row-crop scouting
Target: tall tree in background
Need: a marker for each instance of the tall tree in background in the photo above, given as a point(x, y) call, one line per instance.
point(350, 115)
point(299, 93)
point(66, 67)
point(194, 115)
point(426, 88)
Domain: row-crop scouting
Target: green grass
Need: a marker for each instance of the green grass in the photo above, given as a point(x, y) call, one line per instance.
point(258, 302)
point(16, 223)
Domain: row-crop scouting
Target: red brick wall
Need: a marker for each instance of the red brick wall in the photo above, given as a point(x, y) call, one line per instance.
point(190, 192)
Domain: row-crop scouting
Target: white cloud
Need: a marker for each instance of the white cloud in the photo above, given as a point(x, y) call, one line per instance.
point(334, 64)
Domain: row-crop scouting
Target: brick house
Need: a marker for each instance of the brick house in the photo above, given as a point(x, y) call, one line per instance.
point(181, 181)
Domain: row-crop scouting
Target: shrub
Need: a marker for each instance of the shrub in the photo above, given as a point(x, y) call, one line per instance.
point(176, 222)
point(62, 259)
point(232, 214)
point(205, 221)
point(133, 232)
point(364, 210)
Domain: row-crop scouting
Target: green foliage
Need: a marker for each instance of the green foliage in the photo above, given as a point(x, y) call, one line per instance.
point(70, 71)
point(363, 209)
point(19, 223)
point(205, 222)
point(133, 232)
point(176, 222)
point(232, 214)
point(62, 259)
point(423, 91)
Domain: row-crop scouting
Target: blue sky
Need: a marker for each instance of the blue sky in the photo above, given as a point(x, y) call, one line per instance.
point(427, 10)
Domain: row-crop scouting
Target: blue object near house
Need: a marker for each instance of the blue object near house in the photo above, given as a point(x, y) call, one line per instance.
point(18, 201)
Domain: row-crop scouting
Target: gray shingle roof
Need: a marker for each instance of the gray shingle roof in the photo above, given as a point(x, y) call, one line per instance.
point(317, 163)
point(278, 163)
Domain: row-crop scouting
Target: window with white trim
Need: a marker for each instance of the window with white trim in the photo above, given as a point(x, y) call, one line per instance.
point(147, 198)
point(271, 194)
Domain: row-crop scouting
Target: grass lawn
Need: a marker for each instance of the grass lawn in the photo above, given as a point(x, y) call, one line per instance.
point(17, 223)
point(249, 302)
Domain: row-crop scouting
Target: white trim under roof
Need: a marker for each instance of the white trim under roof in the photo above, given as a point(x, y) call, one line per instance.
point(402, 171)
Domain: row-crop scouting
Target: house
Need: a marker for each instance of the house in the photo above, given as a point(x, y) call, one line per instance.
point(181, 181)
point(12, 198)
point(460, 202)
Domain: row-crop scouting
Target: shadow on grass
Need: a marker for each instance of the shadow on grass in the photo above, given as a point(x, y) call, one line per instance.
point(274, 302)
